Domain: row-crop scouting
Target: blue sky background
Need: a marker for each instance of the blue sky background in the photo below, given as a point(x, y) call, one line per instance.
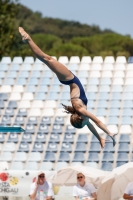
point(116, 15)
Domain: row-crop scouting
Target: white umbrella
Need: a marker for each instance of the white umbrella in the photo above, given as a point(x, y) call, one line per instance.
point(68, 176)
point(113, 185)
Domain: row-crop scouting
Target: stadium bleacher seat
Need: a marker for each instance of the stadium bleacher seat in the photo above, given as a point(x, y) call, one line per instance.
point(31, 166)
point(13, 137)
point(92, 164)
point(109, 147)
point(52, 147)
point(66, 147)
point(123, 147)
point(80, 147)
point(130, 59)
point(122, 157)
point(118, 164)
point(95, 147)
point(20, 157)
point(27, 137)
point(82, 138)
point(78, 157)
point(16, 166)
point(64, 157)
point(60, 165)
point(41, 137)
point(124, 138)
point(2, 138)
point(31, 96)
point(46, 166)
point(93, 157)
point(54, 137)
point(108, 157)
point(106, 166)
point(49, 157)
point(68, 137)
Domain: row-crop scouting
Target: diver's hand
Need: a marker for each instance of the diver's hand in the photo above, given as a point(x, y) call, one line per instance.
point(25, 36)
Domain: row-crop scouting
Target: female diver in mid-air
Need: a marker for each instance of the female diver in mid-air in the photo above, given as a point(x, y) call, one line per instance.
point(80, 116)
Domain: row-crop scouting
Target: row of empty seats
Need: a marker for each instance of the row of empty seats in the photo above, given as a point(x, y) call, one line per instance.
point(73, 59)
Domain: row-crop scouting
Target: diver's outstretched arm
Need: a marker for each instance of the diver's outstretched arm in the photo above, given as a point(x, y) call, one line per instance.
point(86, 113)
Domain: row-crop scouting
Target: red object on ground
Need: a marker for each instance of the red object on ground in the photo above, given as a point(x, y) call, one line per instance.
point(4, 176)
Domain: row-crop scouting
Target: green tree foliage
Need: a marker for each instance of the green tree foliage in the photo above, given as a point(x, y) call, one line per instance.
point(69, 49)
point(106, 44)
point(8, 12)
point(55, 36)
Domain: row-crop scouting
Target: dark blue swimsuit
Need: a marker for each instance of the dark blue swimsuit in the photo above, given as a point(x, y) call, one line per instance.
point(78, 83)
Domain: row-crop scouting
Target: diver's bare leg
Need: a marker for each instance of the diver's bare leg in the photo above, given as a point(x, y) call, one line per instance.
point(59, 69)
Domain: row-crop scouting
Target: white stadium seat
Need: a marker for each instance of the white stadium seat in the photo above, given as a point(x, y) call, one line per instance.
point(95, 74)
point(96, 67)
point(20, 156)
point(6, 89)
point(113, 129)
point(130, 67)
point(128, 81)
point(97, 59)
point(119, 74)
point(17, 60)
point(35, 112)
point(118, 81)
point(28, 96)
point(120, 67)
point(17, 166)
point(109, 60)
point(60, 112)
point(48, 112)
point(6, 156)
point(31, 166)
point(15, 96)
point(74, 60)
point(50, 104)
point(18, 88)
point(129, 74)
point(107, 74)
point(63, 60)
point(9, 146)
point(108, 67)
point(38, 104)
point(28, 60)
point(6, 60)
point(24, 104)
point(121, 59)
point(86, 60)
point(84, 66)
point(35, 156)
point(125, 129)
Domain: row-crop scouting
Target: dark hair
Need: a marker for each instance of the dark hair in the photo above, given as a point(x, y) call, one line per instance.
point(75, 119)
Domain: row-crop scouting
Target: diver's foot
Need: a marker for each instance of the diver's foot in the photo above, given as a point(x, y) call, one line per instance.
point(102, 142)
point(25, 36)
point(112, 137)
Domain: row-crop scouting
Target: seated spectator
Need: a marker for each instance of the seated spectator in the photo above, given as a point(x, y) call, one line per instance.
point(41, 187)
point(83, 190)
point(128, 194)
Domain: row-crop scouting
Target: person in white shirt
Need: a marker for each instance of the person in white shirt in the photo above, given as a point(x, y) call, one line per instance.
point(41, 185)
point(84, 190)
point(128, 194)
